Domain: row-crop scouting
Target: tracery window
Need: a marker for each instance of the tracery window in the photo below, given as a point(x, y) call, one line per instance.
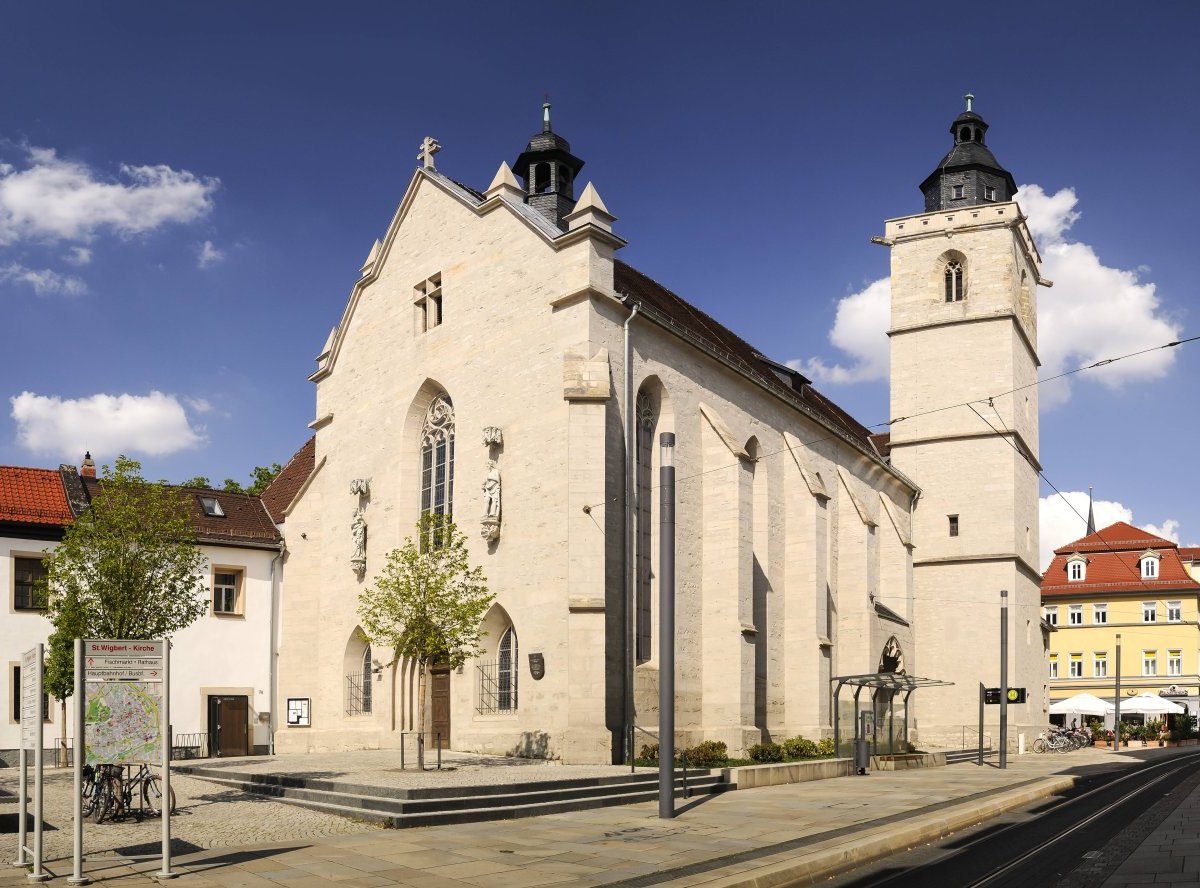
point(367, 672)
point(955, 291)
point(437, 458)
point(506, 672)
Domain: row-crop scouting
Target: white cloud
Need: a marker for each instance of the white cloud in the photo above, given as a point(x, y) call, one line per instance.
point(1062, 522)
point(78, 256)
point(55, 199)
point(859, 331)
point(1093, 312)
point(208, 255)
point(44, 281)
point(153, 424)
point(199, 405)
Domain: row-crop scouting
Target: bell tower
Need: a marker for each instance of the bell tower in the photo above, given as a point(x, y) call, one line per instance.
point(965, 429)
point(549, 170)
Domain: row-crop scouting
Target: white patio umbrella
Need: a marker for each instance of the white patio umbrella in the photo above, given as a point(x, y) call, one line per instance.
point(1150, 704)
point(1082, 704)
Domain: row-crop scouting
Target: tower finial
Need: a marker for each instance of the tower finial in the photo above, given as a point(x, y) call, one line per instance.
point(546, 113)
point(429, 147)
point(970, 98)
point(1091, 519)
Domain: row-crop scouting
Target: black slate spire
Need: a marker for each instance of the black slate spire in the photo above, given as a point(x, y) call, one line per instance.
point(970, 173)
point(549, 170)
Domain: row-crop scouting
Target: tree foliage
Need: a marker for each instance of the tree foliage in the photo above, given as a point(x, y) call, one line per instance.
point(128, 567)
point(427, 603)
point(260, 477)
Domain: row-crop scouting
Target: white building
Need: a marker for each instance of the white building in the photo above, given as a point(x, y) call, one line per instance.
point(221, 664)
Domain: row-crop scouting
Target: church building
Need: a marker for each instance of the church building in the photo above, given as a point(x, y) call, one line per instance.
point(498, 362)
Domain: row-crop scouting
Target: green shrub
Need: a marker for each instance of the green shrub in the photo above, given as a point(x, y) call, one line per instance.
point(708, 754)
point(799, 747)
point(826, 747)
point(649, 752)
point(766, 752)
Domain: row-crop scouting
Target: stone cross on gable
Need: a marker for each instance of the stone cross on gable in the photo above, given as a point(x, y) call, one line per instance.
point(429, 147)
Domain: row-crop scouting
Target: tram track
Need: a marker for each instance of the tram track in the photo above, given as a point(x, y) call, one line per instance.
point(1018, 852)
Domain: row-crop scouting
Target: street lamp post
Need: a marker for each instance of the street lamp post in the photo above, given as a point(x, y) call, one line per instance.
point(666, 630)
point(1117, 712)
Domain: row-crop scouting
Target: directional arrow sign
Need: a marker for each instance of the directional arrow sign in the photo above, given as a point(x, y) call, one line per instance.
point(123, 674)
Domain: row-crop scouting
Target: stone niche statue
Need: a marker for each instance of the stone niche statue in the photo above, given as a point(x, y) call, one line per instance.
point(490, 523)
point(358, 530)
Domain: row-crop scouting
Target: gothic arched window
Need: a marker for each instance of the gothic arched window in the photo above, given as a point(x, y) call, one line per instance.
point(437, 458)
point(367, 672)
point(955, 289)
point(506, 672)
point(644, 419)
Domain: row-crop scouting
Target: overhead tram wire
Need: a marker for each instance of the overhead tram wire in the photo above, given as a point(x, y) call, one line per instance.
point(987, 399)
point(1004, 435)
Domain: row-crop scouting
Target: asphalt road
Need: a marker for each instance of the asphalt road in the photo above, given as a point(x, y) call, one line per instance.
point(1075, 840)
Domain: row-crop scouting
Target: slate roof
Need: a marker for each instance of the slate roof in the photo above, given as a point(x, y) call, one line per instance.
point(283, 489)
point(245, 521)
point(1112, 565)
point(698, 325)
point(33, 496)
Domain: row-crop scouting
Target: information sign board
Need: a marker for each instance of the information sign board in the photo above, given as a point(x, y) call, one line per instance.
point(123, 691)
point(992, 695)
point(31, 700)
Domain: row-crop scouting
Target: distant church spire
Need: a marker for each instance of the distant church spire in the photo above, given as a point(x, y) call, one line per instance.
point(549, 170)
point(1091, 515)
point(969, 174)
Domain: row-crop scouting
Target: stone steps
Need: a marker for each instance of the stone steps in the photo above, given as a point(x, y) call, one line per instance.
point(955, 756)
point(430, 806)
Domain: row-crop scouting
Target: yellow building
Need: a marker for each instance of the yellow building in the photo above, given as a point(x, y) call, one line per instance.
point(1124, 586)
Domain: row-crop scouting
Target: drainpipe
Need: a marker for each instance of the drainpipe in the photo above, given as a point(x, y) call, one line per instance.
point(273, 679)
point(630, 584)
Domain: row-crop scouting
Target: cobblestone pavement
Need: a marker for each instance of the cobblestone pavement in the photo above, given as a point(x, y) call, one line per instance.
point(1170, 854)
point(207, 816)
point(738, 838)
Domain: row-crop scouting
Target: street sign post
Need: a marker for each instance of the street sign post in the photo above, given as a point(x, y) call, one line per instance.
point(31, 740)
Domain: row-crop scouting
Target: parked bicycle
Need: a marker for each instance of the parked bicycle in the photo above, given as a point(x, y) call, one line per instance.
point(1053, 741)
point(108, 794)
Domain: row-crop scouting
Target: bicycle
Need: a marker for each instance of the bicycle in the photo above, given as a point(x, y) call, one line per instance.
point(109, 795)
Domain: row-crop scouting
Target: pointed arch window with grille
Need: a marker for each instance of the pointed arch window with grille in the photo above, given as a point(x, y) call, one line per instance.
point(506, 672)
point(437, 458)
point(955, 283)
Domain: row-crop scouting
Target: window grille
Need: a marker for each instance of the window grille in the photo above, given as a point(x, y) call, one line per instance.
point(498, 680)
point(358, 687)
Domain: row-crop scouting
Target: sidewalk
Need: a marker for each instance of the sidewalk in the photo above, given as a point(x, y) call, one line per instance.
point(748, 837)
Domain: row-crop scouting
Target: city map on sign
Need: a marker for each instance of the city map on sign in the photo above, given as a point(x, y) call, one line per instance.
point(123, 722)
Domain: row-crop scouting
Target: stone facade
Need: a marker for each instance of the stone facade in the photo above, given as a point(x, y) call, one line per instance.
point(803, 551)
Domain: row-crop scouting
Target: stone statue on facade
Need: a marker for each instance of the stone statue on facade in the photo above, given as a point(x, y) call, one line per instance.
point(490, 523)
point(358, 530)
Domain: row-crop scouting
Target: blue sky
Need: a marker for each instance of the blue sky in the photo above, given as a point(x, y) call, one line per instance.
point(187, 192)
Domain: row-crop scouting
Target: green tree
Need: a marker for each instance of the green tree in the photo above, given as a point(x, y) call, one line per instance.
point(128, 567)
point(231, 486)
point(261, 477)
point(426, 604)
point(198, 481)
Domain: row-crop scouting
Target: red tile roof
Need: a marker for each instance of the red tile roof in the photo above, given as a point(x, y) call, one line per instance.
point(33, 496)
point(1112, 565)
point(1117, 536)
point(245, 520)
point(1189, 553)
point(281, 491)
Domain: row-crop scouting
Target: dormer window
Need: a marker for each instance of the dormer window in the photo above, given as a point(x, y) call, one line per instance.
point(211, 506)
point(1149, 564)
point(989, 193)
point(1076, 568)
point(958, 192)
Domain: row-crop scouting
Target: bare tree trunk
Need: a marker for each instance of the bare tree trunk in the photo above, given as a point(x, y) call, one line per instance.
point(62, 745)
point(421, 717)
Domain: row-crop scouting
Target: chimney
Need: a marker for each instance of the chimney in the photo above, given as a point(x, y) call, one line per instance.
point(88, 469)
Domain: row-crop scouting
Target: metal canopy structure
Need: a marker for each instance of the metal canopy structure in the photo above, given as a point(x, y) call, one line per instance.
point(890, 681)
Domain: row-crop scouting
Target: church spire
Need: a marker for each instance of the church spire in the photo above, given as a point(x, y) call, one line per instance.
point(969, 174)
point(549, 169)
point(1091, 528)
